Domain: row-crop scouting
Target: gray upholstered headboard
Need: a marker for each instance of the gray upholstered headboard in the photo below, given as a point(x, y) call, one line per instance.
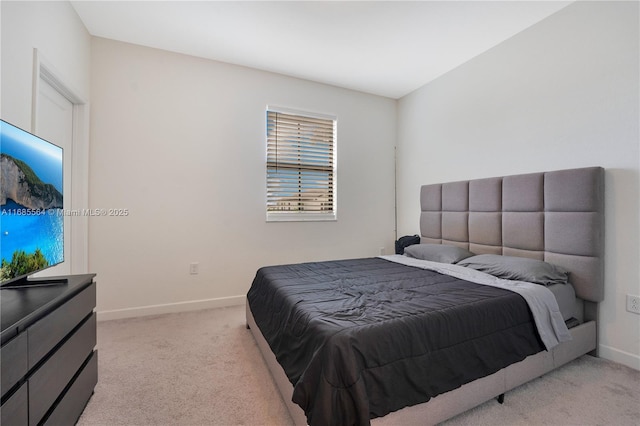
point(553, 216)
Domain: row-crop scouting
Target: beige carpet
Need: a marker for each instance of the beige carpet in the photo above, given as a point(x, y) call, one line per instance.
point(203, 368)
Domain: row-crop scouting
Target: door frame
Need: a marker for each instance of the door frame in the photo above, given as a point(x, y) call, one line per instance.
point(79, 244)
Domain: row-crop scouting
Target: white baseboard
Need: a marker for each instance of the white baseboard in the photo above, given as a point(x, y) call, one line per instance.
point(621, 357)
point(168, 308)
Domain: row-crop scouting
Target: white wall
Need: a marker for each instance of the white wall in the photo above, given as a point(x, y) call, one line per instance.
point(63, 45)
point(54, 28)
point(562, 94)
point(180, 142)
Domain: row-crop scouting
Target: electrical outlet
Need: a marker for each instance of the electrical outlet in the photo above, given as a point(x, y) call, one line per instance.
point(633, 304)
point(381, 251)
point(193, 268)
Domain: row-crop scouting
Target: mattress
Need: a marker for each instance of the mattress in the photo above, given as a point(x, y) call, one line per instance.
point(364, 337)
point(569, 305)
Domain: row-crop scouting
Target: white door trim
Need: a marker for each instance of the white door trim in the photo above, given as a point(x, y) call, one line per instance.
point(79, 244)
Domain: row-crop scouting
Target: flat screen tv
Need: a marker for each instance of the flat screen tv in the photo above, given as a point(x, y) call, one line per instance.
point(31, 209)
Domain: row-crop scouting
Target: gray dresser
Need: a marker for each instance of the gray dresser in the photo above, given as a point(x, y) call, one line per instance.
point(49, 364)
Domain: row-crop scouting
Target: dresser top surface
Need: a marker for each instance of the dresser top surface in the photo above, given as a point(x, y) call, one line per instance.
point(21, 306)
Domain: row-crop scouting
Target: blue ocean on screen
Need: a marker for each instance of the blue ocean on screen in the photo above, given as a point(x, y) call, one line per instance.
point(31, 231)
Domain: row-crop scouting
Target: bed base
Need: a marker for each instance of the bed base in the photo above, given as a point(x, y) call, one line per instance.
point(459, 400)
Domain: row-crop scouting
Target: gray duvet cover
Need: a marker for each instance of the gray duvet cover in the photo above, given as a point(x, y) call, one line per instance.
point(361, 338)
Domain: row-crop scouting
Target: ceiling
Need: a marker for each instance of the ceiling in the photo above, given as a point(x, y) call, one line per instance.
point(387, 48)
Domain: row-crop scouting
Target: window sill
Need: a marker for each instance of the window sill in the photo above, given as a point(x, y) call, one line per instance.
point(301, 217)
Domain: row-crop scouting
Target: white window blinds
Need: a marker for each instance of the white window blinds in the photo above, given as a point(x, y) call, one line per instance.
point(300, 166)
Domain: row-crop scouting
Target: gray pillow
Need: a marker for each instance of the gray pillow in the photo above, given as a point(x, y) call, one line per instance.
point(518, 268)
point(437, 252)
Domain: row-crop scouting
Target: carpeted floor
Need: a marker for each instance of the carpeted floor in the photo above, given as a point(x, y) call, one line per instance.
point(203, 368)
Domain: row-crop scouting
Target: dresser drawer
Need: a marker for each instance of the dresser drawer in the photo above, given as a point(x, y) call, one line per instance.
point(78, 394)
point(45, 334)
point(15, 410)
point(13, 362)
point(53, 376)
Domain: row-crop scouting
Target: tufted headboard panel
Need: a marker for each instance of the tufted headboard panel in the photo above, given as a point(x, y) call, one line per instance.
point(553, 216)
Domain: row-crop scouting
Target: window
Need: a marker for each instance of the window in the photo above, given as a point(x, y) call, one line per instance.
point(300, 166)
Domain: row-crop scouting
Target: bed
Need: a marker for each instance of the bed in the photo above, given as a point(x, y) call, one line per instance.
point(420, 338)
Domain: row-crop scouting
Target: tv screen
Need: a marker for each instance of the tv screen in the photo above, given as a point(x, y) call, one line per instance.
point(31, 209)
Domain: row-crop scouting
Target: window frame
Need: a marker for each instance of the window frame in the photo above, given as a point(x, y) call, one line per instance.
point(301, 216)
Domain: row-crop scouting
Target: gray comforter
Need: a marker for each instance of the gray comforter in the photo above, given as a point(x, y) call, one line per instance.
point(361, 338)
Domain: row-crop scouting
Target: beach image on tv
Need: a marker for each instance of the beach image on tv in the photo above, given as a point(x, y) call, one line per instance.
point(31, 202)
